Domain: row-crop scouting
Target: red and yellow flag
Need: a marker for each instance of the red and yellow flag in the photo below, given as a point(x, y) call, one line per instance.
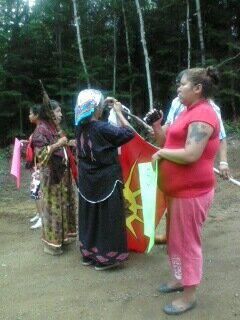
point(135, 152)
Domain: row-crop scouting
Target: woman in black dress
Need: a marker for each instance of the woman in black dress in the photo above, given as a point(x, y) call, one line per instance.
point(102, 230)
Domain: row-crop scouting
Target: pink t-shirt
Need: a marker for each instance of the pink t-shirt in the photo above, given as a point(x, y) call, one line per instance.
point(195, 179)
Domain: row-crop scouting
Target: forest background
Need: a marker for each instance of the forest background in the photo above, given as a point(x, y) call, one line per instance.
point(39, 40)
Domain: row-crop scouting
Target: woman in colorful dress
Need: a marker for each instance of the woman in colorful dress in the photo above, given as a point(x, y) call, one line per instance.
point(187, 179)
point(59, 205)
point(102, 228)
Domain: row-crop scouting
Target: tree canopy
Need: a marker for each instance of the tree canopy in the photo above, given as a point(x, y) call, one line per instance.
point(38, 40)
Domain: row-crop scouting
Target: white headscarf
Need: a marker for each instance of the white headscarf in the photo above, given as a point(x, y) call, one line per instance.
point(88, 100)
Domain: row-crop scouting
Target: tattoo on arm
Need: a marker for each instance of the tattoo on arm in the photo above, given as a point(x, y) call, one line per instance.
point(197, 134)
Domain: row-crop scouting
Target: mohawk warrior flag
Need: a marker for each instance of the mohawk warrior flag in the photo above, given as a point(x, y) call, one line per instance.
point(143, 215)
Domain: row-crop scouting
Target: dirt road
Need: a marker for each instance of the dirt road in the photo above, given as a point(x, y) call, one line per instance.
point(35, 286)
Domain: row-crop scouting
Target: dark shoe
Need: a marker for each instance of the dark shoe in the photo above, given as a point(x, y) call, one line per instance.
point(86, 261)
point(164, 288)
point(100, 267)
point(173, 310)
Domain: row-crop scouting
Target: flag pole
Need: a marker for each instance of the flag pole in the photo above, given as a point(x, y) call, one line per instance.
point(139, 120)
point(234, 181)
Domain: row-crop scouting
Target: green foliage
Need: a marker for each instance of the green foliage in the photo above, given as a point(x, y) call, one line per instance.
point(232, 128)
point(41, 43)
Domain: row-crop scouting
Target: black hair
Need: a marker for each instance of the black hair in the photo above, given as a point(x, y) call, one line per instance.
point(179, 76)
point(54, 104)
point(45, 113)
point(207, 77)
point(36, 109)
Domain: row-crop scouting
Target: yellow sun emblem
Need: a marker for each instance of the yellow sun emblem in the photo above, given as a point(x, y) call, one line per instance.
point(131, 197)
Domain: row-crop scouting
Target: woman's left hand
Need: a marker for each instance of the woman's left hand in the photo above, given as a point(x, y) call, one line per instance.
point(72, 143)
point(224, 170)
point(62, 141)
point(22, 142)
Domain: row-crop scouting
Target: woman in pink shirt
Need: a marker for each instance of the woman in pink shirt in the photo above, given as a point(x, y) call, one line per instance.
point(186, 177)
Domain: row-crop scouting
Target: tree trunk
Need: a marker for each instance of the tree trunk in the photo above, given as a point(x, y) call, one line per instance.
point(145, 51)
point(233, 103)
point(188, 37)
point(77, 22)
point(114, 53)
point(200, 32)
point(60, 60)
point(20, 118)
point(128, 55)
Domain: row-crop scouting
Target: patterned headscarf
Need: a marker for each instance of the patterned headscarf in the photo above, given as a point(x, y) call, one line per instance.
point(87, 102)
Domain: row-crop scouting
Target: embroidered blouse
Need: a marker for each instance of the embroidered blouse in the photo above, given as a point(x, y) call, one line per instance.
point(44, 135)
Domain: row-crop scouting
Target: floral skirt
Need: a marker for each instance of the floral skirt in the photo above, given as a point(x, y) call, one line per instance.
point(59, 209)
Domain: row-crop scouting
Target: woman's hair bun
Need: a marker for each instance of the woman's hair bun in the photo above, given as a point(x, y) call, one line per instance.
point(213, 74)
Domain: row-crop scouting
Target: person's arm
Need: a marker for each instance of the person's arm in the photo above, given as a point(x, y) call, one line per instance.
point(24, 141)
point(60, 143)
point(117, 106)
point(117, 135)
point(222, 154)
point(52, 147)
point(197, 139)
point(223, 163)
point(154, 119)
point(159, 132)
point(72, 143)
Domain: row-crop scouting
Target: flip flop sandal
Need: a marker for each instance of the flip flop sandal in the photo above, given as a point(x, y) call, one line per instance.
point(173, 310)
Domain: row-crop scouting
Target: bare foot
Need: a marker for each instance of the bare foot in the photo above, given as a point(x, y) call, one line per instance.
point(182, 303)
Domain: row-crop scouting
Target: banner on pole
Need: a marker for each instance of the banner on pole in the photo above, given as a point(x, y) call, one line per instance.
point(16, 162)
point(148, 187)
point(135, 152)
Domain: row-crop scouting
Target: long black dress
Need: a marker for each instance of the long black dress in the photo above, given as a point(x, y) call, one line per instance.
point(102, 230)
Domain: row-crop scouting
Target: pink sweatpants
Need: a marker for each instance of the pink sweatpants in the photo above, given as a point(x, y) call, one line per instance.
point(187, 216)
